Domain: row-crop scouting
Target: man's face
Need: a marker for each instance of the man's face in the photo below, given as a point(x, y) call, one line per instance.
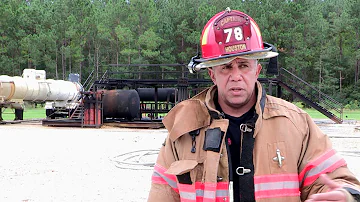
point(236, 82)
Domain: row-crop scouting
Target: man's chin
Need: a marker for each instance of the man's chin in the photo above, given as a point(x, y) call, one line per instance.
point(237, 103)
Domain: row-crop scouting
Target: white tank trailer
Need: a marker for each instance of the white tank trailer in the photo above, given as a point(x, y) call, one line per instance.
point(33, 87)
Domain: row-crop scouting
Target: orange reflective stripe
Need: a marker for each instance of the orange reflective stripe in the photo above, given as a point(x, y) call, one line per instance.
point(204, 192)
point(209, 191)
point(160, 177)
point(327, 162)
point(157, 179)
point(187, 192)
point(277, 193)
point(281, 185)
point(162, 170)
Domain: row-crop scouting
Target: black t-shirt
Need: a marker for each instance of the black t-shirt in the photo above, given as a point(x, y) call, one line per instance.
point(243, 184)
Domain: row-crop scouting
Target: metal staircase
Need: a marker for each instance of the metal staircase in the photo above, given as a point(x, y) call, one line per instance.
point(90, 98)
point(311, 96)
point(89, 82)
point(78, 113)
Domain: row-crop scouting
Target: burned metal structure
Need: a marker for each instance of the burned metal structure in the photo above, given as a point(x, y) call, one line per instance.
point(133, 95)
point(138, 95)
point(162, 86)
point(159, 87)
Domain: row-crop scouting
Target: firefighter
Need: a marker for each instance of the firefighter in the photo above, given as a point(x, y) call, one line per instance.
point(232, 142)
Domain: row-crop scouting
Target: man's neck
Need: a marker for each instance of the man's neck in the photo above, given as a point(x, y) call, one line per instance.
point(238, 111)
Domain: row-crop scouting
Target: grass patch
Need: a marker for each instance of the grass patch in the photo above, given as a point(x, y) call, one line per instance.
point(29, 113)
point(39, 113)
point(347, 114)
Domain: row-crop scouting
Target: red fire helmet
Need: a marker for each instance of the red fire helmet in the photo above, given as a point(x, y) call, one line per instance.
point(228, 35)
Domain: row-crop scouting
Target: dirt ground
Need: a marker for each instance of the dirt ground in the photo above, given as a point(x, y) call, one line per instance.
point(41, 163)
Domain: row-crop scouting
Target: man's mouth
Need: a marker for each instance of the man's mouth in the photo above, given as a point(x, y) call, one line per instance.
point(236, 89)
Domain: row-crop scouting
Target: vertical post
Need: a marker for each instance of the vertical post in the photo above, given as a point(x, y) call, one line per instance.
point(279, 92)
point(156, 102)
point(19, 114)
point(270, 87)
point(183, 89)
point(86, 119)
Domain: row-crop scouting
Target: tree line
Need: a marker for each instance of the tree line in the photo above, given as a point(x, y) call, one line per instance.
point(318, 40)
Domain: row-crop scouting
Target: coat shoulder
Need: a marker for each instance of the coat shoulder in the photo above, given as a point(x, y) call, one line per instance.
point(188, 115)
point(281, 104)
point(277, 107)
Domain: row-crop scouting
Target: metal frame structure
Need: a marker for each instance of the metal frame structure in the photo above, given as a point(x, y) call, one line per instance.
point(187, 85)
point(134, 76)
point(160, 76)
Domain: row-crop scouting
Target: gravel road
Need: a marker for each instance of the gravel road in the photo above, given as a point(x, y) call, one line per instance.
point(39, 163)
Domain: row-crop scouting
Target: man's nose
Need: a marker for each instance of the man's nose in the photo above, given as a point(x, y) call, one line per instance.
point(236, 73)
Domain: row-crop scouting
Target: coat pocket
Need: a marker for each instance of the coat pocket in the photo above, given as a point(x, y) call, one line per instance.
point(185, 171)
point(188, 173)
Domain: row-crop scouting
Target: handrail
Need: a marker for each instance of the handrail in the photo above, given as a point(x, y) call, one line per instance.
point(323, 94)
point(104, 76)
point(89, 77)
point(308, 91)
point(89, 81)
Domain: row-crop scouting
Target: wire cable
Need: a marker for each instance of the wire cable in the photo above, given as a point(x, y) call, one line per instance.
point(135, 160)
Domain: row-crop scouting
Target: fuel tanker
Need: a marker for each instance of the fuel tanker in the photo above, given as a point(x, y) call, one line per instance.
point(33, 87)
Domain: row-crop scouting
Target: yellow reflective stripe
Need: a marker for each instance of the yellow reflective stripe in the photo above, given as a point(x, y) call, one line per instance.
point(257, 30)
point(205, 36)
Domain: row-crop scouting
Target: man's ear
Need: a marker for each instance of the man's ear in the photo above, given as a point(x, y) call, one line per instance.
point(258, 69)
point(212, 74)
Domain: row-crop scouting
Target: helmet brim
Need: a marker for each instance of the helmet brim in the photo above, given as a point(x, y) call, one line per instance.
point(225, 60)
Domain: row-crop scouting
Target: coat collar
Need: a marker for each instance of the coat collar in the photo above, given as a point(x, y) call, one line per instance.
point(259, 106)
point(198, 112)
point(210, 92)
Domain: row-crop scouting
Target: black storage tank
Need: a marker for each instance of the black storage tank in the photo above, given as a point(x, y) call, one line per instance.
point(163, 94)
point(121, 104)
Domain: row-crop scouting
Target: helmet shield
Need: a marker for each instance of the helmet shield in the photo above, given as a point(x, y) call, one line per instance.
point(232, 33)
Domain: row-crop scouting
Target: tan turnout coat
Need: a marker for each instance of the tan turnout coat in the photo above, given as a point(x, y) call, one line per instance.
point(281, 126)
